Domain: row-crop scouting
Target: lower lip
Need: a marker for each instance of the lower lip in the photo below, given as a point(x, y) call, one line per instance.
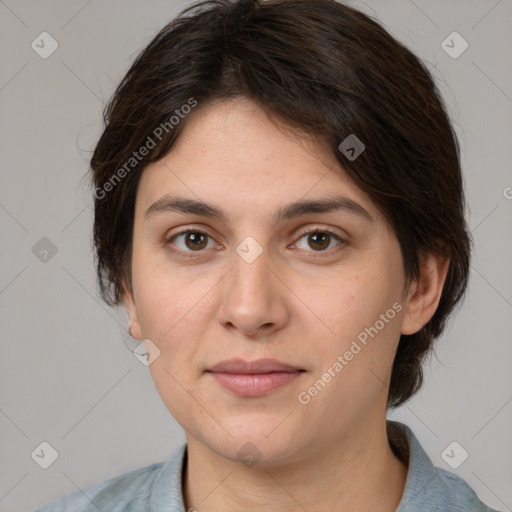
point(252, 385)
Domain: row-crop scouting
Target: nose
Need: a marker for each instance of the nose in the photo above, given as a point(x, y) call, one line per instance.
point(253, 299)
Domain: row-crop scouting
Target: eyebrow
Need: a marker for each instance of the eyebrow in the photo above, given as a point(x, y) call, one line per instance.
point(169, 203)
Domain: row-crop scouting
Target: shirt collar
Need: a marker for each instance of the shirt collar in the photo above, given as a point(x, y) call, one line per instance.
point(166, 492)
point(421, 475)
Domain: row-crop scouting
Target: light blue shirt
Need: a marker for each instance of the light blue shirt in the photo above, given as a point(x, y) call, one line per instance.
point(158, 488)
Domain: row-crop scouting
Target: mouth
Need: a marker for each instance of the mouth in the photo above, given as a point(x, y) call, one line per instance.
point(254, 378)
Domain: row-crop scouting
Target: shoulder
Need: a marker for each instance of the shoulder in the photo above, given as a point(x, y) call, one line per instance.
point(455, 494)
point(428, 487)
point(116, 493)
point(134, 491)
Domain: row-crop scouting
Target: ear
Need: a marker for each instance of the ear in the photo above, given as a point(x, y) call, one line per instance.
point(131, 309)
point(425, 292)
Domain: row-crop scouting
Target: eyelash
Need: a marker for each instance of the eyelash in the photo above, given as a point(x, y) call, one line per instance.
point(189, 253)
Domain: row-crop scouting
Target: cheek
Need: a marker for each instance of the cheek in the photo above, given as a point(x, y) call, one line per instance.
point(356, 328)
point(173, 312)
point(347, 303)
point(163, 294)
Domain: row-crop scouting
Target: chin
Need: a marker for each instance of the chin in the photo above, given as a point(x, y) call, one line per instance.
point(261, 442)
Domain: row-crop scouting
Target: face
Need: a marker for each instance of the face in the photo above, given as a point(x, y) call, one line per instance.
point(317, 291)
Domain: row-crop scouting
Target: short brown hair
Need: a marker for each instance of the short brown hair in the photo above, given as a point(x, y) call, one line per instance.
point(328, 70)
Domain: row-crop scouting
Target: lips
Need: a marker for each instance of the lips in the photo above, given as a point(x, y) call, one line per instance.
point(252, 367)
point(253, 378)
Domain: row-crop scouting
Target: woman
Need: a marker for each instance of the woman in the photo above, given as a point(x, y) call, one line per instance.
point(279, 207)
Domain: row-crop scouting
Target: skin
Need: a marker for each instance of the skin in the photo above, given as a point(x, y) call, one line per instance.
point(299, 301)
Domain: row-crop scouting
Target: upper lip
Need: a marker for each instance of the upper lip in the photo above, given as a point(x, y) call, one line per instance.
point(252, 367)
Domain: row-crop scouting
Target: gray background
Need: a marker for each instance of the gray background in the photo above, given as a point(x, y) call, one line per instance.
point(66, 375)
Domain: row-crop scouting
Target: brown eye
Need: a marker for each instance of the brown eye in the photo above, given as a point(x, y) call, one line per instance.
point(195, 240)
point(319, 241)
point(190, 241)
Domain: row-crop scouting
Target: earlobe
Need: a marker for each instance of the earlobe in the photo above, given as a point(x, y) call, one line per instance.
point(425, 293)
point(131, 309)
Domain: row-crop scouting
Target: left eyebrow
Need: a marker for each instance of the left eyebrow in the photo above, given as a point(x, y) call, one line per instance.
point(335, 204)
point(169, 203)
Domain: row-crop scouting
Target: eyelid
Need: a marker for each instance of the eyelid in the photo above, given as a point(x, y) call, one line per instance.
point(321, 229)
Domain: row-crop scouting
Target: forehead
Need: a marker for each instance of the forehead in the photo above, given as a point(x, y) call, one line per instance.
point(232, 153)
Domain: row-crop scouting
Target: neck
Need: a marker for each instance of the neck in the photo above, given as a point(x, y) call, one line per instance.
point(358, 472)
